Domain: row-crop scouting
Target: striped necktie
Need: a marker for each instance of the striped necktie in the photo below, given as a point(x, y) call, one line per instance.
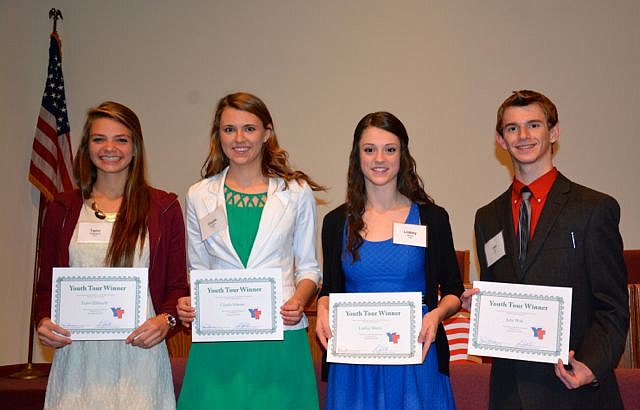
point(524, 220)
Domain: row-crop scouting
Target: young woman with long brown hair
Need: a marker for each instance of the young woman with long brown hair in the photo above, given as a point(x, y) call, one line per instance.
point(360, 255)
point(268, 220)
point(147, 230)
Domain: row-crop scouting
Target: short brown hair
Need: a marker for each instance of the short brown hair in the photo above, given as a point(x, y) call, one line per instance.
point(522, 98)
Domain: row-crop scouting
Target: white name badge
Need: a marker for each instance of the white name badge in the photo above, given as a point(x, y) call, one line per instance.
point(94, 232)
point(212, 223)
point(409, 234)
point(494, 249)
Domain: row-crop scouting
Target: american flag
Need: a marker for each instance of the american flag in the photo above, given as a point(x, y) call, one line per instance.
point(51, 158)
point(457, 329)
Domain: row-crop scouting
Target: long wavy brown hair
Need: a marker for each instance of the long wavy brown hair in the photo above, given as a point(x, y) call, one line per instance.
point(133, 215)
point(409, 182)
point(275, 160)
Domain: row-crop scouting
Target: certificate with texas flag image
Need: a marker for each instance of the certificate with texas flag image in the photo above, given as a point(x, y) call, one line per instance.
point(523, 322)
point(236, 305)
point(375, 328)
point(99, 303)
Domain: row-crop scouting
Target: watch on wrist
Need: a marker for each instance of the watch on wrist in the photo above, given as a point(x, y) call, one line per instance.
point(171, 321)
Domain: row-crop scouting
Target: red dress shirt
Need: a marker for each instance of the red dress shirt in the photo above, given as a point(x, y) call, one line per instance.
point(539, 192)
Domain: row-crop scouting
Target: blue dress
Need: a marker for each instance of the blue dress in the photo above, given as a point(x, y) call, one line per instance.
point(387, 267)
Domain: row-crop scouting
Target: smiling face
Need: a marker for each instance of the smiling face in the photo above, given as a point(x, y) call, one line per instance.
point(110, 146)
point(242, 136)
point(379, 157)
point(528, 139)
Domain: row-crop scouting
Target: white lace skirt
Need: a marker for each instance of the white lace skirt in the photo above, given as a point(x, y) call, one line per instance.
point(110, 375)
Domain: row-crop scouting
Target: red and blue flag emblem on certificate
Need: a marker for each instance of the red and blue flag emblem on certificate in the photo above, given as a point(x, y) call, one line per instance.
point(538, 332)
point(117, 312)
point(255, 313)
point(393, 337)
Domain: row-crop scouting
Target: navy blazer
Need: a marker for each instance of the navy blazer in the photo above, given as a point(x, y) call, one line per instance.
point(442, 273)
point(576, 244)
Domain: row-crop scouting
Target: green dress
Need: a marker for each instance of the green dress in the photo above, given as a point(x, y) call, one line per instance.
point(249, 375)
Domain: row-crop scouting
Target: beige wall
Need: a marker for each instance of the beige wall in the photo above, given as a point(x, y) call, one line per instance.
point(442, 67)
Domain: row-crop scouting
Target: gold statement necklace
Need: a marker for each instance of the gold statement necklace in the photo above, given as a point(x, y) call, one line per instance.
point(100, 214)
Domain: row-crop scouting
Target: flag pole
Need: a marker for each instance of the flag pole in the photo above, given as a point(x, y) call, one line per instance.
point(29, 372)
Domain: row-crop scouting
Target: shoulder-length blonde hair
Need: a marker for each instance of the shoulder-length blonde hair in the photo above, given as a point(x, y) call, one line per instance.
point(275, 160)
point(131, 224)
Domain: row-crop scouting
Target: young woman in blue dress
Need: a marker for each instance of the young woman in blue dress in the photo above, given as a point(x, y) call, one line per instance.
point(383, 188)
point(267, 219)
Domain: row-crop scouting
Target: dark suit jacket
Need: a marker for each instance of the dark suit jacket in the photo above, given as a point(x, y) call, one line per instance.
point(594, 268)
point(441, 270)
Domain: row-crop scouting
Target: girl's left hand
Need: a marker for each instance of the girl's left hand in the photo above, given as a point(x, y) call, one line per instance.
point(323, 331)
point(150, 333)
point(291, 312)
point(427, 334)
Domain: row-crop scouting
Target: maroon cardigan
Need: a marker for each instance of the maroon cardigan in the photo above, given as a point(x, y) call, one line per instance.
point(167, 259)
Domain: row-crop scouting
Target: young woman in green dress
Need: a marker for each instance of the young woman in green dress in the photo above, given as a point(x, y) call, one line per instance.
point(270, 222)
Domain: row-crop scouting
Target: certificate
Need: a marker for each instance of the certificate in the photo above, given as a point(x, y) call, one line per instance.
point(234, 305)
point(375, 328)
point(99, 303)
point(522, 322)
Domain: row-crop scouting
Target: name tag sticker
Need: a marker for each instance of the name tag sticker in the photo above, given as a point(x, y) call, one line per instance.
point(494, 249)
point(408, 234)
point(94, 232)
point(212, 223)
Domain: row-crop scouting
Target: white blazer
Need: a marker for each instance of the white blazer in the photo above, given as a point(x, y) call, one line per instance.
point(286, 237)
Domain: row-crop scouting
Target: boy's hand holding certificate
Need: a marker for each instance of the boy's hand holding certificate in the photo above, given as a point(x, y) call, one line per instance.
point(522, 322)
point(375, 328)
